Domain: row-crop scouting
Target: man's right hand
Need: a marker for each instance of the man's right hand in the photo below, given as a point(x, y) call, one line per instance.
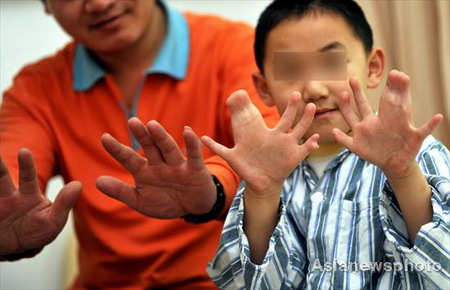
point(28, 219)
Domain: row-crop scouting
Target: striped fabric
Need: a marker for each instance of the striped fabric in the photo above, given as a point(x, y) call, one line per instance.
point(343, 231)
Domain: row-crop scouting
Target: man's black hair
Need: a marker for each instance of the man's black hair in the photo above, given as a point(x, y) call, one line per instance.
point(280, 10)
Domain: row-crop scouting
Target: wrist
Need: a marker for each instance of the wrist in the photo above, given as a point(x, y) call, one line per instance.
point(14, 257)
point(216, 209)
point(409, 171)
point(268, 198)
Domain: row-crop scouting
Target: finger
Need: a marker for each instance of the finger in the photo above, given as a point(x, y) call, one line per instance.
point(290, 113)
point(360, 98)
point(346, 110)
point(238, 100)
point(127, 157)
point(166, 144)
point(343, 139)
point(28, 181)
point(309, 146)
point(216, 148)
point(193, 149)
point(6, 184)
point(244, 114)
point(397, 85)
point(144, 138)
point(64, 202)
point(303, 125)
point(118, 189)
point(429, 127)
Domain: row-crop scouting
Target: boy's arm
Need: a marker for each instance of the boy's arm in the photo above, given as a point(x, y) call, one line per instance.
point(430, 252)
point(390, 141)
point(264, 158)
point(284, 266)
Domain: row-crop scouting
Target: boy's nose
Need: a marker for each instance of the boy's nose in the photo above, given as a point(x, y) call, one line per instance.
point(98, 6)
point(314, 90)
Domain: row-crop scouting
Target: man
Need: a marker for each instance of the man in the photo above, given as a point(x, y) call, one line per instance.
point(129, 58)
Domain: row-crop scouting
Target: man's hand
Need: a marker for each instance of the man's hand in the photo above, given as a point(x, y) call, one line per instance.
point(167, 185)
point(28, 220)
point(389, 139)
point(265, 157)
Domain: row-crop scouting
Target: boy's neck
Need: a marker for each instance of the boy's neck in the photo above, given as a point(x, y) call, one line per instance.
point(326, 150)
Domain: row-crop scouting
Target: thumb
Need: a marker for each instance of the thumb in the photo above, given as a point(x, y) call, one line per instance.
point(64, 202)
point(215, 147)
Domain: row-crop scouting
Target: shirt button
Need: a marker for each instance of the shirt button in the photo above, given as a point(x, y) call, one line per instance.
point(317, 196)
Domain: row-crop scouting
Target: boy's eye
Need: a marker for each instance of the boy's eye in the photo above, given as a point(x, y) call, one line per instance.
point(310, 66)
point(334, 60)
point(287, 66)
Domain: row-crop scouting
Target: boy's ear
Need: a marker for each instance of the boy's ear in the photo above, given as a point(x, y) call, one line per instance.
point(260, 83)
point(376, 64)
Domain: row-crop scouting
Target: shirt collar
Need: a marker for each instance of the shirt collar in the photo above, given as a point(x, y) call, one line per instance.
point(172, 57)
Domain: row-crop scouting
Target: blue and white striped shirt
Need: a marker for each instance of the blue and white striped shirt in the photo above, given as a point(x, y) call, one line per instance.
point(345, 231)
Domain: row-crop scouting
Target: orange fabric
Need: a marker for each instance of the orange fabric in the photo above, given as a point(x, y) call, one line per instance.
point(118, 246)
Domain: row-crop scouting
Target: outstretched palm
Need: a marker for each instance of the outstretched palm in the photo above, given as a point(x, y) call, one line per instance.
point(389, 139)
point(265, 157)
point(167, 185)
point(28, 220)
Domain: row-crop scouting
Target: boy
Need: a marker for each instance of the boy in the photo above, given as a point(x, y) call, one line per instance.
point(370, 207)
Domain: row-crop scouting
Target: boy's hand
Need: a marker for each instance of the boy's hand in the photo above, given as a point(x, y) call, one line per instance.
point(389, 140)
point(28, 220)
point(167, 185)
point(265, 157)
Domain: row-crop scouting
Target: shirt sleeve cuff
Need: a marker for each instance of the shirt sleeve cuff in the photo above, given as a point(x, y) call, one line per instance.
point(394, 226)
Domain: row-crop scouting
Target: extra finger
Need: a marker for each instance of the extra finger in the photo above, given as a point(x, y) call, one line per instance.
point(309, 146)
point(343, 138)
point(290, 113)
point(127, 157)
point(166, 144)
point(360, 98)
point(144, 138)
point(346, 110)
point(305, 122)
point(193, 149)
point(28, 180)
point(6, 185)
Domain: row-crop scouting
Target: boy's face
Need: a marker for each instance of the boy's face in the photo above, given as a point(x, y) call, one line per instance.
point(313, 38)
point(104, 25)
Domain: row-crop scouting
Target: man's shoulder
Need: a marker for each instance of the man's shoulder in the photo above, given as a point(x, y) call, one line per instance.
point(217, 24)
point(56, 64)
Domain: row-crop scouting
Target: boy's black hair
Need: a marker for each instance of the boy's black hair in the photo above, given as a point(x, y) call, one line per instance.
point(280, 10)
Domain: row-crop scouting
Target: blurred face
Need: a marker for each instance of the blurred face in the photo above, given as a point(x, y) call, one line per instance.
point(104, 25)
point(320, 46)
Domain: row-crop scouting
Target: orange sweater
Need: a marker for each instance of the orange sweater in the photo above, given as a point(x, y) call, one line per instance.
point(118, 246)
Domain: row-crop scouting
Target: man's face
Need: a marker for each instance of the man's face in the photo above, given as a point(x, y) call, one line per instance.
point(316, 42)
point(104, 25)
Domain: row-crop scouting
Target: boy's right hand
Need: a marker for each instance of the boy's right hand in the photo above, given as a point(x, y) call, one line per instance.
point(28, 220)
point(265, 157)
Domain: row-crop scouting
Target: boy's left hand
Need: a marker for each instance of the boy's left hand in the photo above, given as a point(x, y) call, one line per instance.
point(389, 140)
